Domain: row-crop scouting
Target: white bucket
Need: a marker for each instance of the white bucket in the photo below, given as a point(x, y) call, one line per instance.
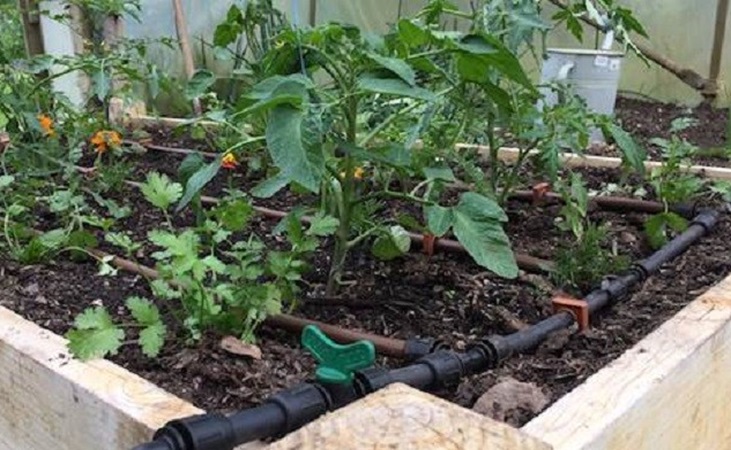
point(592, 74)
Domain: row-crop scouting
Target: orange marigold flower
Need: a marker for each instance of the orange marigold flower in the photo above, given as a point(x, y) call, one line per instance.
point(46, 124)
point(358, 173)
point(104, 140)
point(229, 161)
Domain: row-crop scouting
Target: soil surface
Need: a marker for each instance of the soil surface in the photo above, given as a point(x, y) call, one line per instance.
point(445, 296)
point(646, 120)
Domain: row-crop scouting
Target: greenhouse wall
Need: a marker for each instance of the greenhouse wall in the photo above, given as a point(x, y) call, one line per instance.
point(679, 29)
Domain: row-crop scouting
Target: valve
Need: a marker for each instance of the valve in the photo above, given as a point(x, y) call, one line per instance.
point(337, 362)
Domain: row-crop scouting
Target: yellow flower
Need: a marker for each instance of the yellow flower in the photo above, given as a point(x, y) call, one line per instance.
point(104, 140)
point(358, 173)
point(229, 161)
point(46, 124)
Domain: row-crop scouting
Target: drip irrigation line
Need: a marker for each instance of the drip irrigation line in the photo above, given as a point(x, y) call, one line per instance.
point(525, 262)
point(293, 408)
point(611, 203)
point(408, 349)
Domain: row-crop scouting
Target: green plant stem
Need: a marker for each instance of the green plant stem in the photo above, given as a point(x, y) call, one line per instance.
point(353, 242)
point(342, 234)
point(513, 175)
point(394, 195)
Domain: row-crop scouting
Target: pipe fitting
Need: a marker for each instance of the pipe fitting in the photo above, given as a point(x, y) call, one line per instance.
point(301, 404)
point(419, 347)
point(706, 218)
point(495, 347)
point(446, 368)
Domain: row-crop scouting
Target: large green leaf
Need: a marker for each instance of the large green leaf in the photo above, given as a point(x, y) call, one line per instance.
point(632, 153)
point(394, 86)
point(286, 140)
point(439, 219)
point(486, 51)
point(199, 83)
point(397, 66)
point(478, 227)
point(412, 34)
point(198, 181)
point(392, 244)
point(229, 30)
point(275, 91)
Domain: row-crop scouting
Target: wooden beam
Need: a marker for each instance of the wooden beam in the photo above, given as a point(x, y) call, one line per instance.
point(400, 417)
point(508, 154)
point(32, 31)
point(719, 32)
point(50, 401)
point(671, 391)
point(181, 27)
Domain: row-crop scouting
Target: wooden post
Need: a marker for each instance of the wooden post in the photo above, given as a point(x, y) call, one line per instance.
point(313, 13)
point(32, 31)
point(181, 27)
point(719, 33)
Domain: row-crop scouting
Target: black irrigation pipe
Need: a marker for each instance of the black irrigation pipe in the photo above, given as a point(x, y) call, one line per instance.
point(292, 408)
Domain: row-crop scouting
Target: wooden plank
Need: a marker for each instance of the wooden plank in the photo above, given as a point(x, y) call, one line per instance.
point(508, 154)
point(671, 391)
point(400, 417)
point(50, 401)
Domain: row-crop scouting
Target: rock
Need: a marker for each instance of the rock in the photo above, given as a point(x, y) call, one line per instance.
point(510, 400)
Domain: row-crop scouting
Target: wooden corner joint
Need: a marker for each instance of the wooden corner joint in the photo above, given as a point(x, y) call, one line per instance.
point(574, 306)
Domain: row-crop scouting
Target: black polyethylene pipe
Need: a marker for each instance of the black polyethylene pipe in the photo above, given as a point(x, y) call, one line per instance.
point(295, 407)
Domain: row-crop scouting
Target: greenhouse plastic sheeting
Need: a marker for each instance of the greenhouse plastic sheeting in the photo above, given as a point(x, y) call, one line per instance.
point(675, 28)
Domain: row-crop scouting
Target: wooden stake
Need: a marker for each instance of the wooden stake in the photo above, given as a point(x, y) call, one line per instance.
point(718, 36)
point(181, 29)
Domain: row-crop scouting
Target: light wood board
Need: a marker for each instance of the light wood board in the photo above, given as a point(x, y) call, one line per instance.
point(672, 391)
point(49, 401)
point(607, 162)
point(400, 418)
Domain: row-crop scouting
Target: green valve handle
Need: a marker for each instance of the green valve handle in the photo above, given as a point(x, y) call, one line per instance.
point(337, 362)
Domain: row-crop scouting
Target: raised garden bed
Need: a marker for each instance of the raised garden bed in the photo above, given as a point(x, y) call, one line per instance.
point(441, 295)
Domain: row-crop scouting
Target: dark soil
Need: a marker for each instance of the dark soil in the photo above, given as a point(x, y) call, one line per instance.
point(444, 296)
point(646, 120)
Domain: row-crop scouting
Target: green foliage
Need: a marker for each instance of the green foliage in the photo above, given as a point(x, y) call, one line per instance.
point(477, 224)
point(227, 285)
point(96, 335)
point(659, 227)
point(582, 262)
point(607, 13)
point(673, 183)
point(160, 191)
